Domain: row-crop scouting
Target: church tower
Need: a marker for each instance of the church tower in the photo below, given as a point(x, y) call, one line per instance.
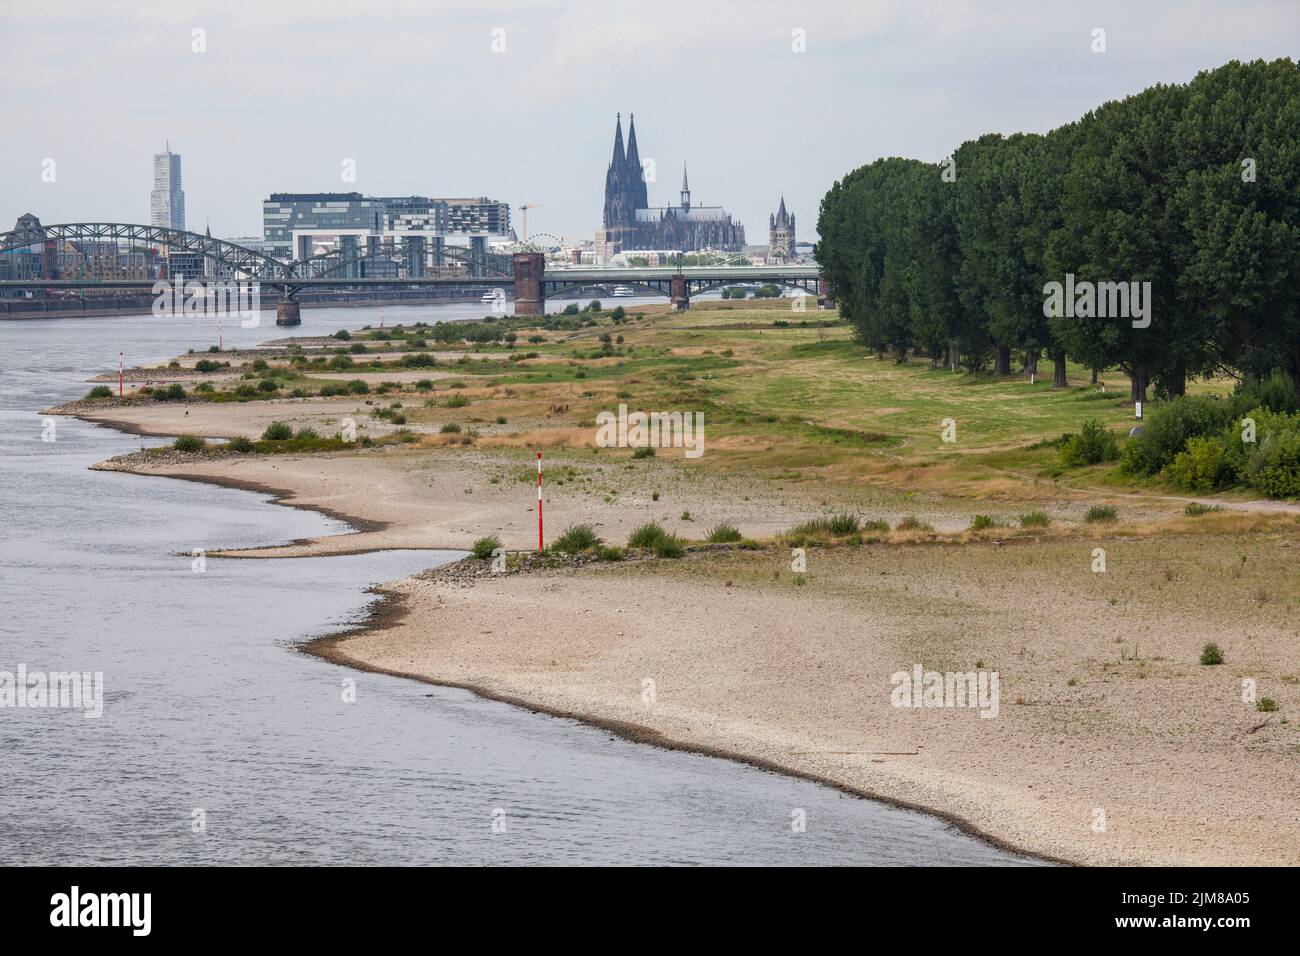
point(780, 234)
point(686, 191)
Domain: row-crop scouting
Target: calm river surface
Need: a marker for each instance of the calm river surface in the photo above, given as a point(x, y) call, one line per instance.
point(210, 712)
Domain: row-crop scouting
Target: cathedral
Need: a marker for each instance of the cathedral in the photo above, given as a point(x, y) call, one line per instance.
point(631, 223)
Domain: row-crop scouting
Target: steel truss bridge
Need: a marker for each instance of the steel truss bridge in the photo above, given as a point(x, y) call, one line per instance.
point(529, 273)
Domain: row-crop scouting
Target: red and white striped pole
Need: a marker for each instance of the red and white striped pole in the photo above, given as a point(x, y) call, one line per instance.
point(540, 546)
point(119, 374)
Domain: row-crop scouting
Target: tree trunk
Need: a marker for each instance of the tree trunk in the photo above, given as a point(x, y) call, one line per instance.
point(1031, 361)
point(1002, 364)
point(1058, 374)
point(1138, 387)
point(954, 356)
point(1094, 377)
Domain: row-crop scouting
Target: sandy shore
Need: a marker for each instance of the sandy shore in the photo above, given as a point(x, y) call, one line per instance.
point(1103, 704)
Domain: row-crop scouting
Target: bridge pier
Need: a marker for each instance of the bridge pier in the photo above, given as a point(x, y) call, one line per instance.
point(288, 312)
point(530, 296)
point(823, 293)
point(680, 298)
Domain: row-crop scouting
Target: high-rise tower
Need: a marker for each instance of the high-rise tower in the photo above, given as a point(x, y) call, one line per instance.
point(167, 201)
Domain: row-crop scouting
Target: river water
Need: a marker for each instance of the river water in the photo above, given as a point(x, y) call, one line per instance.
point(220, 743)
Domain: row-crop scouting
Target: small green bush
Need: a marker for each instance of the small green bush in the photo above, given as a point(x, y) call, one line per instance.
point(1195, 509)
point(456, 401)
point(100, 391)
point(576, 538)
point(1100, 513)
point(1093, 445)
point(484, 547)
point(646, 452)
point(723, 534)
point(239, 444)
point(982, 522)
point(1211, 654)
point(913, 523)
point(1203, 466)
point(189, 443)
point(277, 431)
point(451, 428)
point(611, 553)
point(343, 335)
point(670, 546)
point(307, 433)
point(843, 524)
point(358, 387)
point(647, 535)
point(1266, 705)
point(1035, 519)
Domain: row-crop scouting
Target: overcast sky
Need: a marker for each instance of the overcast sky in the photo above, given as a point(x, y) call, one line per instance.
point(415, 94)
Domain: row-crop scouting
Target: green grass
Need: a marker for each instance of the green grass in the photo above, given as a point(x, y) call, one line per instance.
point(576, 538)
point(1211, 654)
point(1100, 513)
point(1195, 509)
point(724, 533)
point(647, 535)
point(1035, 519)
point(483, 547)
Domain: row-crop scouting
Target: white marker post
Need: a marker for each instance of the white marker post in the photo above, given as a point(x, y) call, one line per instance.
point(540, 546)
point(120, 366)
point(1137, 407)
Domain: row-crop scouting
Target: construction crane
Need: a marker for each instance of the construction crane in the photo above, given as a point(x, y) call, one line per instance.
point(524, 209)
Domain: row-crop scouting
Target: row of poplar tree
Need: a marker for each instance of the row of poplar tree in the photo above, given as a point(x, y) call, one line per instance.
point(1194, 188)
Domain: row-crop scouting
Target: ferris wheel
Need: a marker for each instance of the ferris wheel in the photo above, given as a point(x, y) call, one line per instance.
point(549, 244)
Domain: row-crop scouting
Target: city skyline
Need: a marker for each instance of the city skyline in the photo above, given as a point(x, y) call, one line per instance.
point(807, 95)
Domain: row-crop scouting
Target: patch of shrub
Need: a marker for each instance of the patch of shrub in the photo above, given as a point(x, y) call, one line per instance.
point(484, 547)
point(1166, 430)
point(723, 534)
point(277, 431)
point(343, 335)
point(330, 390)
point(189, 443)
point(1035, 519)
point(982, 522)
point(1211, 654)
point(670, 546)
point(1266, 705)
point(611, 553)
point(1100, 513)
point(913, 523)
point(576, 538)
point(451, 428)
point(267, 385)
point(456, 401)
point(100, 391)
point(239, 444)
point(646, 452)
point(646, 535)
point(358, 387)
point(1093, 445)
point(1195, 509)
point(1203, 466)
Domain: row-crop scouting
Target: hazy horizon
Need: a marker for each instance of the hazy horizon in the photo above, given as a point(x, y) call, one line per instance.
point(416, 96)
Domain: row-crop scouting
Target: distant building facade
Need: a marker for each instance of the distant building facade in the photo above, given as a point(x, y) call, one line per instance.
point(630, 222)
point(167, 201)
point(300, 225)
point(780, 234)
